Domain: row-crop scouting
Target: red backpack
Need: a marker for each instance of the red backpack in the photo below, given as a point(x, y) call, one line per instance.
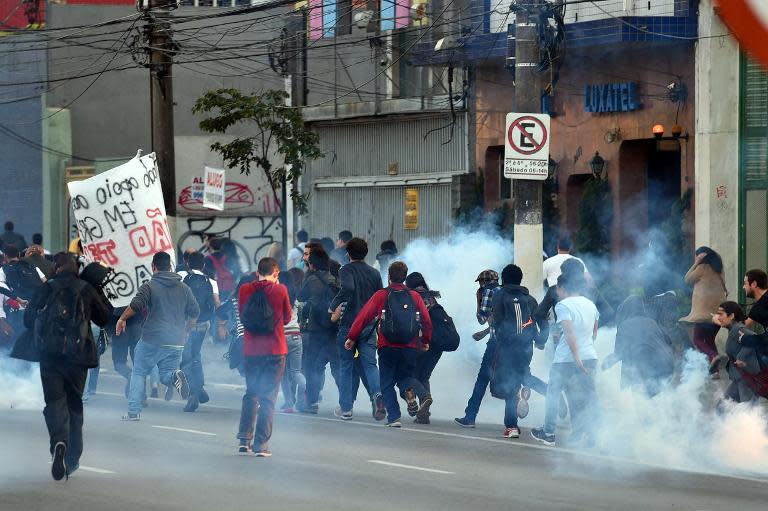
point(224, 276)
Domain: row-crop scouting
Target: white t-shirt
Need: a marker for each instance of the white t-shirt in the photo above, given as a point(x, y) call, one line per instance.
point(552, 267)
point(583, 314)
point(214, 285)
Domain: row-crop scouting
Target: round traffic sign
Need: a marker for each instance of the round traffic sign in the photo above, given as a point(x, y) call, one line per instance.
point(527, 135)
point(748, 20)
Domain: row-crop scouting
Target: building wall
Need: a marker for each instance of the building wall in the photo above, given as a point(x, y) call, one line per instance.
point(717, 135)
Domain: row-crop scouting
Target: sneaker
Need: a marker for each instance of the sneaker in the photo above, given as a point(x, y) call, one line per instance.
point(244, 450)
point(464, 422)
point(180, 383)
point(132, 417)
point(511, 433)
point(169, 393)
point(421, 420)
point(422, 414)
point(59, 468)
point(203, 397)
point(287, 409)
point(154, 393)
point(192, 404)
point(545, 438)
point(263, 453)
point(394, 424)
point(341, 414)
point(312, 409)
point(522, 403)
point(379, 410)
point(413, 405)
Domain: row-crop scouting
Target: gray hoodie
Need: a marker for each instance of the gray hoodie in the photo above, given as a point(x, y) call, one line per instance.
point(169, 304)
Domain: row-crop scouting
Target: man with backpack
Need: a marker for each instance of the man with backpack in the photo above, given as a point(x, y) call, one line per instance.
point(19, 281)
point(171, 312)
point(222, 269)
point(404, 329)
point(358, 283)
point(60, 316)
point(206, 294)
point(516, 332)
point(265, 309)
point(318, 331)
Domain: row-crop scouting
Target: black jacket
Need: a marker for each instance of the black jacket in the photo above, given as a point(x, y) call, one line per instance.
point(311, 295)
point(358, 282)
point(97, 309)
point(503, 317)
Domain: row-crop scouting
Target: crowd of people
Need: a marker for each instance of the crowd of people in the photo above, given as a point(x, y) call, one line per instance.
point(321, 304)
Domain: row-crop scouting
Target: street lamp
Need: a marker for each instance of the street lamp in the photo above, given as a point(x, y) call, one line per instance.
point(598, 165)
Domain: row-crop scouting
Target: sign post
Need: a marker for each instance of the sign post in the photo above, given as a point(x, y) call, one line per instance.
point(526, 154)
point(213, 189)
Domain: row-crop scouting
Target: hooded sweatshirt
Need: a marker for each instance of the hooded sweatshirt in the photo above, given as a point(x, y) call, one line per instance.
point(169, 304)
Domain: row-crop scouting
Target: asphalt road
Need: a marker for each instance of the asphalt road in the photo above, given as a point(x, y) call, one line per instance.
point(178, 461)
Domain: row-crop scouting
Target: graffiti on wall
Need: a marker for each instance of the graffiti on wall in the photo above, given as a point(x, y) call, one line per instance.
point(237, 197)
point(251, 235)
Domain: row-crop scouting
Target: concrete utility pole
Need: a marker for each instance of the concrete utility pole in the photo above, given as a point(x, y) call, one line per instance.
point(161, 96)
point(529, 231)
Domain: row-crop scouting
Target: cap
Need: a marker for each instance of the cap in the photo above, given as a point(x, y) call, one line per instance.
point(487, 276)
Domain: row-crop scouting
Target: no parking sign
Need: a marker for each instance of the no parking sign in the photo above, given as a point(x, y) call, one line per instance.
point(526, 154)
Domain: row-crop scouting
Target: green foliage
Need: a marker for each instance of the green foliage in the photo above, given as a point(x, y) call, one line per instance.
point(595, 219)
point(277, 129)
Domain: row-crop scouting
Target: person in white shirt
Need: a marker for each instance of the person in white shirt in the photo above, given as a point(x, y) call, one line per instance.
point(552, 265)
point(296, 254)
point(574, 364)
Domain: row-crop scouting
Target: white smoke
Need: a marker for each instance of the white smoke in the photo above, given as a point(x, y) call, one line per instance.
point(20, 386)
point(678, 428)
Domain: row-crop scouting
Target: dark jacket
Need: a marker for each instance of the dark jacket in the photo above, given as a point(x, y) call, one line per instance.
point(504, 317)
point(169, 304)
point(12, 238)
point(358, 282)
point(97, 310)
point(312, 294)
point(42, 264)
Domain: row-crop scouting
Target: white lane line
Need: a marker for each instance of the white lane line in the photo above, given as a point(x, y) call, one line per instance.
point(227, 386)
point(95, 470)
point(183, 430)
point(409, 467)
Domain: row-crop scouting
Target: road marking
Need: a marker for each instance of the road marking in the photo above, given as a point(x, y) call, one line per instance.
point(95, 470)
point(409, 467)
point(193, 431)
point(228, 386)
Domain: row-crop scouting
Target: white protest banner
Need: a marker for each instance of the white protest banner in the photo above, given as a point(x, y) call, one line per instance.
point(213, 191)
point(121, 221)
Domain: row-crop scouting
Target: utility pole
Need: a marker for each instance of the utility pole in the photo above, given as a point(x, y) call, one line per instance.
point(529, 231)
point(161, 48)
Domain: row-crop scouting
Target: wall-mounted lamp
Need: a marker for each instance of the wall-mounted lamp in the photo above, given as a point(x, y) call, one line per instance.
point(658, 131)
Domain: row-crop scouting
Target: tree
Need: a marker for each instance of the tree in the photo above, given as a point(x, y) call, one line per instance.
point(277, 129)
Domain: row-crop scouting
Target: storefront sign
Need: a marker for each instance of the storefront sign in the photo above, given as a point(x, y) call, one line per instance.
point(611, 97)
point(411, 209)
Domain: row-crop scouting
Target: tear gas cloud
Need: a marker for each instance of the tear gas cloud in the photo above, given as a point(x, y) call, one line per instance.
point(20, 386)
point(678, 428)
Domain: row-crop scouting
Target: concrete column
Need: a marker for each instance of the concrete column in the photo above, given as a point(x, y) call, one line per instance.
point(716, 187)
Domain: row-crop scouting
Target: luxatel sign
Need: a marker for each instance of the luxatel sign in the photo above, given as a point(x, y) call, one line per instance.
point(748, 20)
point(214, 183)
point(526, 153)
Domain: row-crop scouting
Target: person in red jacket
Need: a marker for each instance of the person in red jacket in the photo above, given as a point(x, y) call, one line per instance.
point(264, 357)
point(398, 310)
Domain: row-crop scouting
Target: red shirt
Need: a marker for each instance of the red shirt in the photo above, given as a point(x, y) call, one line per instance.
point(372, 310)
point(277, 296)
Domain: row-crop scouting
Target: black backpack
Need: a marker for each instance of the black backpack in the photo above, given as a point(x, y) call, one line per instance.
point(258, 317)
point(400, 324)
point(517, 328)
point(444, 334)
point(319, 309)
point(22, 278)
point(203, 292)
point(62, 327)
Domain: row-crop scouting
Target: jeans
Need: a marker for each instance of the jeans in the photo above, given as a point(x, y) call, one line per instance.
point(367, 355)
point(580, 390)
point(535, 383)
point(146, 357)
point(482, 381)
point(63, 386)
point(125, 344)
point(294, 383)
point(319, 350)
point(191, 360)
point(426, 362)
point(398, 366)
point(262, 381)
